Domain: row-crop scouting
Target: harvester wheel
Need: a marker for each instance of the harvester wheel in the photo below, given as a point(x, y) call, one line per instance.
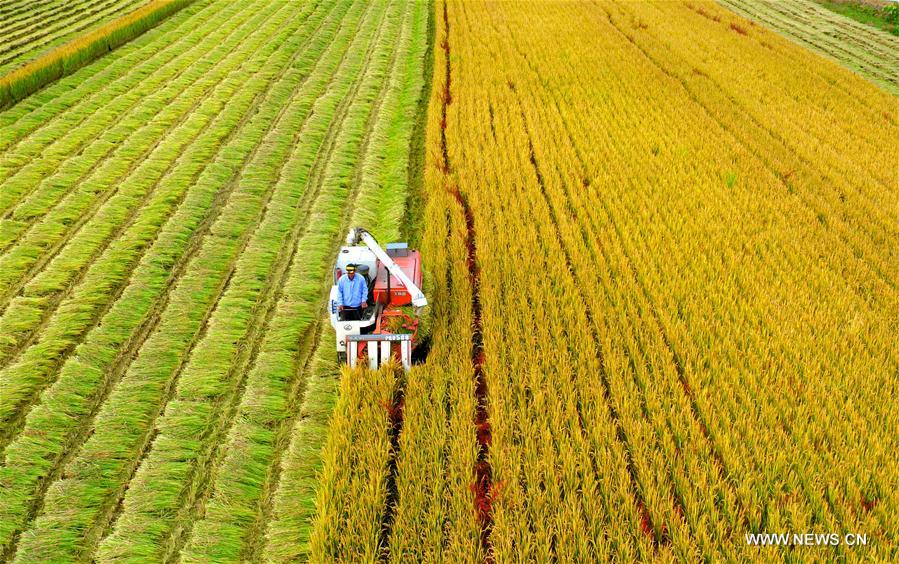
point(341, 358)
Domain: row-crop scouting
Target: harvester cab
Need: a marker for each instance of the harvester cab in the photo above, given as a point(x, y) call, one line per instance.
point(388, 326)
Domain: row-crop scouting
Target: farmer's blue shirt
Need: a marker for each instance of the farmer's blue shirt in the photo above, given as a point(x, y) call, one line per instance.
point(351, 293)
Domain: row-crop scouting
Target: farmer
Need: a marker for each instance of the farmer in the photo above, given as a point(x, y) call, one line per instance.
point(352, 291)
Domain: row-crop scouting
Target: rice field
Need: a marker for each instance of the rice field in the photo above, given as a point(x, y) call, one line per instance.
point(660, 245)
point(29, 28)
point(169, 217)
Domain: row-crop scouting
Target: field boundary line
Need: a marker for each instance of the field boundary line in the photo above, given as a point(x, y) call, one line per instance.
point(95, 90)
point(60, 14)
point(71, 22)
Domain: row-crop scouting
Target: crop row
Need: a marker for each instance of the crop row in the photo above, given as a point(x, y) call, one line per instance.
point(159, 302)
point(21, 22)
point(41, 294)
point(106, 252)
point(68, 58)
point(15, 21)
point(846, 155)
point(642, 249)
point(28, 30)
point(65, 191)
point(64, 152)
point(212, 379)
point(652, 413)
point(44, 138)
point(289, 532)
point(252, 111)
point(844, 231)
point(354, 467)
point(57, 112)
point(436, 516)
point(567, 461)
point(292, 506)
point(645, 425)
point(549, 516)
point(385, 187)
point(855, 282)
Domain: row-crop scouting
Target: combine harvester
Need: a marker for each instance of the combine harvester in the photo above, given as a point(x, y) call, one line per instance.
point(388, 326)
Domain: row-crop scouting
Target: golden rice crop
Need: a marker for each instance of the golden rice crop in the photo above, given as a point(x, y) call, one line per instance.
point(667, 240)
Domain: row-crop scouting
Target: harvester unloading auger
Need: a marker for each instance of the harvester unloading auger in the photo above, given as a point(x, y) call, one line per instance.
point(388, 326)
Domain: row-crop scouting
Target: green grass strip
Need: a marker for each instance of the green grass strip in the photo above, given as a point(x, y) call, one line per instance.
point(864, 13)
point(81, 95)
point(867, 50)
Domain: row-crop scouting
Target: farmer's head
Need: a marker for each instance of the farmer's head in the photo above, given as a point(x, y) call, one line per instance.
point(351, 271)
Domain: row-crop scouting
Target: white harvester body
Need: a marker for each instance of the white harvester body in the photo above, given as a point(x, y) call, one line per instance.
point(389, 276)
